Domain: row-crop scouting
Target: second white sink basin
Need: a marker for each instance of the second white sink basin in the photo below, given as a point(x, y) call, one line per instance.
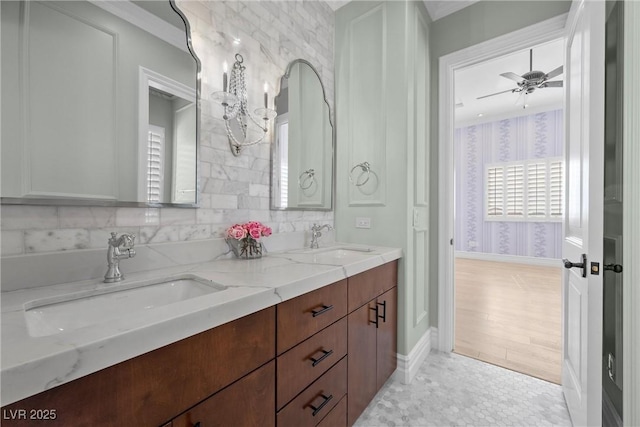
point(72, 311)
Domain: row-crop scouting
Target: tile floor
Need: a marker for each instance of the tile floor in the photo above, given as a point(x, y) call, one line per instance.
point(455, 390)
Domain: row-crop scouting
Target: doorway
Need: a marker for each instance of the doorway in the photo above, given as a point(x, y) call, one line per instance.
point(509, 179)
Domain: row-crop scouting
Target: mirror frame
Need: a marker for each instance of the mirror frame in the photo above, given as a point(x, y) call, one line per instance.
point(286, 76)
point(120, 203)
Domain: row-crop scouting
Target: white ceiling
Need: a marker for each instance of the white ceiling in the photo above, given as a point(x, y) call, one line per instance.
point(484, 79)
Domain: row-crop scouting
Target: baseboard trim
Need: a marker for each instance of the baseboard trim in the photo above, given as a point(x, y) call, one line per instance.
point(408, 365)
point(547, 262)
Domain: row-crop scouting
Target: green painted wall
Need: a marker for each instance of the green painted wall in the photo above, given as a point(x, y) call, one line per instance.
point(382, 59)
point(475, 24)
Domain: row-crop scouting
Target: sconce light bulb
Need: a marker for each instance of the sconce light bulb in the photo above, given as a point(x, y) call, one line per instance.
point(224, 67)
point(266, 86)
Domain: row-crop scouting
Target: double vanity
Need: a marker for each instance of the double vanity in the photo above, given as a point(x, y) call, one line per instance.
point(299, 337)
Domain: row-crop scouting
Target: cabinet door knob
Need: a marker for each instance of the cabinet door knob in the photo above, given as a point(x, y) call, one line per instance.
point(323, 310)
point(325, 354)
point(318, 408)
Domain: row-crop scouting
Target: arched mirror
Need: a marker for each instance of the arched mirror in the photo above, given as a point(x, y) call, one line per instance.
point(99, 104)
point(302, 158)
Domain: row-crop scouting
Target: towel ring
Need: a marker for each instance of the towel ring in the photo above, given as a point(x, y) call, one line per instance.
point(311, 178)
point(366, 167)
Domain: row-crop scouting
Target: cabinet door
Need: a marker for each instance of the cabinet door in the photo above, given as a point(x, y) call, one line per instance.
point(362, 360)
point(249, 401)
point(387, 335)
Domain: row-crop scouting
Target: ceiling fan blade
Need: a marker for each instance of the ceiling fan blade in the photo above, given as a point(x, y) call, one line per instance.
point(557, 83)
point(556, 72)
point(497, 93)
point(512, 76)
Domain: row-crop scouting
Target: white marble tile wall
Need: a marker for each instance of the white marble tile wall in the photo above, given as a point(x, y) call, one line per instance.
point(233, 189)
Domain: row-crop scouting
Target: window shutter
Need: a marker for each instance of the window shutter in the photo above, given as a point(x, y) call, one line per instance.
point(284, 164)
point(515, 191)
point(536, 190)
point(556, 179)
point(155, 145)
point(495, 192)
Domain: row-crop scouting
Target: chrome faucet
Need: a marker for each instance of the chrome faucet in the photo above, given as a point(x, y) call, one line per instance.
point(114, 254)
point(316, 232)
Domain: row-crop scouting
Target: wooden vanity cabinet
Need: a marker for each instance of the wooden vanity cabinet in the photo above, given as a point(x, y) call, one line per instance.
point(151, 389)
point(315, 360)
point(372, 335)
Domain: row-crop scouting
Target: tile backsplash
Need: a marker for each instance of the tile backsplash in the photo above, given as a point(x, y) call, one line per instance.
point(232, 189)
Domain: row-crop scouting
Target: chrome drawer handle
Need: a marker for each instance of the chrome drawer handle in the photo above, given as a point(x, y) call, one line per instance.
point(323, 310)
point(325, 354)
point(322, 405)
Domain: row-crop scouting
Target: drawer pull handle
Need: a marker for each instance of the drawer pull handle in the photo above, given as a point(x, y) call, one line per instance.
point(322, 405)
point(376, 316)
point(384, 311)
point(323, 310)
point(325, 354)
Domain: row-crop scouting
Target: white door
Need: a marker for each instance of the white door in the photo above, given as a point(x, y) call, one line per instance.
point(583, 224)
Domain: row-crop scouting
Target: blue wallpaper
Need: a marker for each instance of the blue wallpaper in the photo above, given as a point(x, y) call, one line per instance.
point(520, 138)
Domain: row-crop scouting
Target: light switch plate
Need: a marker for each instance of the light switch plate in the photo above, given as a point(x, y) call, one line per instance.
point(363, 222)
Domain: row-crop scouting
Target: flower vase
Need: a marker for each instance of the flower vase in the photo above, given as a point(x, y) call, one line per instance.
point(246, 248)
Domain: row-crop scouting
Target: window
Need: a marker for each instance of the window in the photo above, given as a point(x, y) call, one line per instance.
point(528, 190)
point(155, 145)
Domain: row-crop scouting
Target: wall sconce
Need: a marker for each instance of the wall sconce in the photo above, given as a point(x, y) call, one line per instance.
point(243, 128)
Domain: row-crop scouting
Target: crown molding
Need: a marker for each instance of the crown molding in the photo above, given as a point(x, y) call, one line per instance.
point(147, 21)
point(440, 8)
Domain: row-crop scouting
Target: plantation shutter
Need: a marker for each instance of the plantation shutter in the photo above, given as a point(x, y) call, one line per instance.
point(284, 164)
point(536, 190)
point(155, 145)
point(556, 180)
point(495, 192)
point(515, 191)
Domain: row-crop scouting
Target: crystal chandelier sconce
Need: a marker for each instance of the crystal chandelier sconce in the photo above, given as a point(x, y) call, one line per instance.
point(243, 128)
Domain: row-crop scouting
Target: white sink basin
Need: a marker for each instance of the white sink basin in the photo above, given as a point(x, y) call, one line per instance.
point(72, 311)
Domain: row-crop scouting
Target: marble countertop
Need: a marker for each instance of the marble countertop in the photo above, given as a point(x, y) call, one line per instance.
point(34, 364)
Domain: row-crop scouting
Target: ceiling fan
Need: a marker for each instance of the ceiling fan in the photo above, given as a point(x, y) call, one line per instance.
point(530, 81)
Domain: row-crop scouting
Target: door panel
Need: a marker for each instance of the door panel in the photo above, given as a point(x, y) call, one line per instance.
point(583, 228)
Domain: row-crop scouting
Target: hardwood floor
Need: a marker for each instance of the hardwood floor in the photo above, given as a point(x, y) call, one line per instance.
point(510, 315)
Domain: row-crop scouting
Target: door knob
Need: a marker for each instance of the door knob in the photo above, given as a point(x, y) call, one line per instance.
point(582, 265)
point(616, 268)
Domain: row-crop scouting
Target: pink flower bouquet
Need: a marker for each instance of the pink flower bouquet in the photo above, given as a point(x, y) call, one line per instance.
point(243, 239)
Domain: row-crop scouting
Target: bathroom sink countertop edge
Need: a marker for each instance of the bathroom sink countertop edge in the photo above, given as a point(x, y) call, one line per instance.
point(34, 364)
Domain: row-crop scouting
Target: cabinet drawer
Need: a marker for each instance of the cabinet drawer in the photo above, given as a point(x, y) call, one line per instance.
point(305, 362)
point(231, 407)
point(338, 415)
point(301, 317)
point(369, 284)
point(313, 404)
